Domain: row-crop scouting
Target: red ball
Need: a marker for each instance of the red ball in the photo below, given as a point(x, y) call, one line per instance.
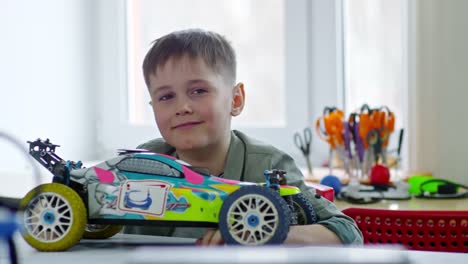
point(379, 174)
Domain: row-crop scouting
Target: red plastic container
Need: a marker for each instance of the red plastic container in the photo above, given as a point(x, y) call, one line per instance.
point(324, 190)
point(417, 230)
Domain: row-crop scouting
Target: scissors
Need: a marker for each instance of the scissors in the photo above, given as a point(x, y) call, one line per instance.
point(387, 120)
point(303, 143)
point(376, 139)
point(353, 124)
point(331, 128)
point(332, 121)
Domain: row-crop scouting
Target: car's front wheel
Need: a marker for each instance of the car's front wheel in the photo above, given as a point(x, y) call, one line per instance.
point(54, 217)
point(254, 215)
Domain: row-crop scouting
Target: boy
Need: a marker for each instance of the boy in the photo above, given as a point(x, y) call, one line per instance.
point(191, 78)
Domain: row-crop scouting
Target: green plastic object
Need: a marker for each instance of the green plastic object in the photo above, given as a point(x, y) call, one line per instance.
point(415, 182)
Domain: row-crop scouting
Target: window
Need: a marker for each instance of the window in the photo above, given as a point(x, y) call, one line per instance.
point(147, 166)
point(374, 53)
point(247, 24)
point(278, 65)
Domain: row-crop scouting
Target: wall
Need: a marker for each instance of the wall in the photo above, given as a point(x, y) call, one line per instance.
point(46, 74)
point(438, 85)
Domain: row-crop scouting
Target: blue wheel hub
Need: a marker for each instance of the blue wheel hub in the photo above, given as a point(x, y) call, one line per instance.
point(252, 220)
point(48, 217)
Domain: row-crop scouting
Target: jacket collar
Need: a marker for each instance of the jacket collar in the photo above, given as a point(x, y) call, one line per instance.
point(234, 167)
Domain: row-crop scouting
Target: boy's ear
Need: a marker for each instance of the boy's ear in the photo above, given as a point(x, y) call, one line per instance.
point(238, 99)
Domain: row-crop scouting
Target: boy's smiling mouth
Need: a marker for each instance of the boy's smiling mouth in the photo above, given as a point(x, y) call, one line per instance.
point(187, 124)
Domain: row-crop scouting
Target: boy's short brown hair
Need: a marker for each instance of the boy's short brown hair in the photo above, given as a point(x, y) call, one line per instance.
point(213, 48)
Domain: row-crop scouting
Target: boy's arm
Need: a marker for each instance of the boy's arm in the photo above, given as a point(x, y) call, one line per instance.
point(331, 222)
point(332, 227)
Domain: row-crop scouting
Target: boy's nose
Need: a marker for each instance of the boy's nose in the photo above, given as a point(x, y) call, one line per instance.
point(184, 108)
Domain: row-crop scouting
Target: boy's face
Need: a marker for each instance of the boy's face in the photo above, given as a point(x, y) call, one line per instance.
point(192, 104)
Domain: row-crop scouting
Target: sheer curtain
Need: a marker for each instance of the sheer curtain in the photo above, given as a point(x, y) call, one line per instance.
point(374, 56)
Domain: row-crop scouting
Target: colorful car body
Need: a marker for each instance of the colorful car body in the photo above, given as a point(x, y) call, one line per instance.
point(177, 192)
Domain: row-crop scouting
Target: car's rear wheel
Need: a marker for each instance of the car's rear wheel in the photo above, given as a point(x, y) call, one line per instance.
point(101, 231)
point(254, 215)
point(54, 217)
point(304, 210)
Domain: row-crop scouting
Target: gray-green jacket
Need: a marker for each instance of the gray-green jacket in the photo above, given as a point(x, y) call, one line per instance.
point(246, 160)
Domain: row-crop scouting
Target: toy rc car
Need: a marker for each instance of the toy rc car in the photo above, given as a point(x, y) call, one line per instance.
point(138, 187)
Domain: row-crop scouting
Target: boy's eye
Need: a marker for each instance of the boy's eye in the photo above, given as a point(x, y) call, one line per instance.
point(166, 97)
point(198, 91)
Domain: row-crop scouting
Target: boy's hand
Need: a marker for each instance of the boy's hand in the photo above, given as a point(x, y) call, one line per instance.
point(211, 238)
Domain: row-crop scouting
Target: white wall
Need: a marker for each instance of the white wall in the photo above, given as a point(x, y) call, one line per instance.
point(46, 80)
point(439, 88)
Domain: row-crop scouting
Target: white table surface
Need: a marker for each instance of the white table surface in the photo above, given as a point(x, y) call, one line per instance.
point(127, 249)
